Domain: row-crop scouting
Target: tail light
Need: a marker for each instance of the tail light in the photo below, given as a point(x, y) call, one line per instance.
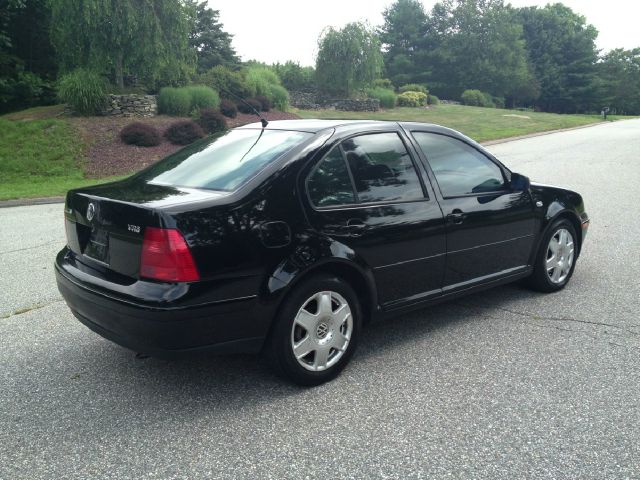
point(166, 256)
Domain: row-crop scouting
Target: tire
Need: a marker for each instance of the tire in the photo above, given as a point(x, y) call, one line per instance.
point(550, 272)
point(313, 318)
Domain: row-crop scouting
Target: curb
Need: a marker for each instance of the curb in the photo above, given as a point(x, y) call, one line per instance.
point(24, 202)
point(540, 134)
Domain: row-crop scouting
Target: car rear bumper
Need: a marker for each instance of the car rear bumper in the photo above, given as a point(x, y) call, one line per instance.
point(232, 326)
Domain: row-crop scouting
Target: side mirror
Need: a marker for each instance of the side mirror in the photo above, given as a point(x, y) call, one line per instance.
point(519, 183)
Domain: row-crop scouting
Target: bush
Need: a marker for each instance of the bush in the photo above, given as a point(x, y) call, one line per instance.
point(228, 108)
point(203, 97)
point(140, 134)
point(432, 100)
point(412, 99)
point(184, 132)
point(224, 80)
point(499, 102)
point(84, 90)
point(265, 103)
point(212, 121)
point(383, 83)
point(244, 108)
point(279, 97)
point(295, 77)
point(259, 80)
point(413, 87)
point(476, 98)
point(174, 101)
point(387, 97)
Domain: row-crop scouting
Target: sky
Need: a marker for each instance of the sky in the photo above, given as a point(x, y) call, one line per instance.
point(280, 30)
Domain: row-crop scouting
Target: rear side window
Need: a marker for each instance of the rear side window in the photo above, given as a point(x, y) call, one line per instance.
point(459, 168)
point(382, 168)
point(330, 184)
point(225, 163)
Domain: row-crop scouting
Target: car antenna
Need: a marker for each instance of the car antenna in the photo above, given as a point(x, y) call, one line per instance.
point(263, 120)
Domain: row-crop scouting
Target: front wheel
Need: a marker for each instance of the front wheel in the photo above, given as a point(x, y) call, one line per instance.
point(316, 331)
point(556, 258)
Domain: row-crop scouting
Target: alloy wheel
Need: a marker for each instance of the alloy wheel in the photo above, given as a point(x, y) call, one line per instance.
point(321, 331)
point(560, 256)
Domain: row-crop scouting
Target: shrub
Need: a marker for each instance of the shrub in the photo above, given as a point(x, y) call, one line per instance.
point(183, 132)
point(295, 77)
point(259, 79)
point(387, 97)
point(140, 134)
point(383, 83)
point(212, 121)
point(84, 90)
point(477, 98)
point(498, 102)
point(279, 97)
point(203, 97)
point(244, 108)
point(228, 108)
point(432, 100)
point(412, 99)
point(174, 101)
point(224, 80)
point(265, 103)
point(413, 87)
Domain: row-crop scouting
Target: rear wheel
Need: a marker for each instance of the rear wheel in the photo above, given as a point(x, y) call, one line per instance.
point(316, 331)
point(556, 258)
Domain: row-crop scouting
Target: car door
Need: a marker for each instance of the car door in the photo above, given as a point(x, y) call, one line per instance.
point(490, 227)
point(369, 194)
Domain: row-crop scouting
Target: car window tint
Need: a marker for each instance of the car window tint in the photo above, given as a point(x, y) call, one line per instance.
point(459, 168)
point(330, 184)
point(225, 162)
point(382, 169)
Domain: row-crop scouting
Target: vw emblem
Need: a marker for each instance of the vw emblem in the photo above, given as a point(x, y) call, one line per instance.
point(91, 211)
point(322, 330)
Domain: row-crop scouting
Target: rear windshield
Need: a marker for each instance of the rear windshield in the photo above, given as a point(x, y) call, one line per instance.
point(226, 163)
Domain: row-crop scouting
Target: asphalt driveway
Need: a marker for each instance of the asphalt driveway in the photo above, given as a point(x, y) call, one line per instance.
point(503, 384)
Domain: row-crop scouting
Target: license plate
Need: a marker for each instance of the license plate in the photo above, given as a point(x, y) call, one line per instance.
point(98, 245)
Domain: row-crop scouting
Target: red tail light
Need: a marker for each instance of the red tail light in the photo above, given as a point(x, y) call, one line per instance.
point(166, 256)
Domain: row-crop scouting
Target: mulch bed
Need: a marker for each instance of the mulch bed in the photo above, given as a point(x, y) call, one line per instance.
point(107, 155)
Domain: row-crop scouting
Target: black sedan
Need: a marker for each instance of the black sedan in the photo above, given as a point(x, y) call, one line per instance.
point(287, 239)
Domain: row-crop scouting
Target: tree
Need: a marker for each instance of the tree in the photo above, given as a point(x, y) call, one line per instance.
point(561, 47)
point(477, 44)
point(401, 36)
point(619, 71)
point(118, 37)
point(211, 43)
point(348, 59)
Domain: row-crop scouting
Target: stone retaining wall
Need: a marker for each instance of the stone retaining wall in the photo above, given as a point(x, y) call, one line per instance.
point(131, 105)
point(314, 100)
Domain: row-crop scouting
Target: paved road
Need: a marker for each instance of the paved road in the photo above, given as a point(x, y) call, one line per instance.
point(504, 384)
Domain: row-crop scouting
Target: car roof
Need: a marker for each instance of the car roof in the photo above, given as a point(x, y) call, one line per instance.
point(315, 125)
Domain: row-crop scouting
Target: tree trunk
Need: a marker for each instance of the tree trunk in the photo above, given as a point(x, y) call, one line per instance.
point(119, 69)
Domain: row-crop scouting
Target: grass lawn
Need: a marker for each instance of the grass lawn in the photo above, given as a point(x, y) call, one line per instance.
point(40, 158)
point(481, 124)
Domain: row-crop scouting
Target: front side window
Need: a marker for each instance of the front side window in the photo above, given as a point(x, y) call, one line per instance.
point(330, 184)
point(459, 168)
point(382, 168)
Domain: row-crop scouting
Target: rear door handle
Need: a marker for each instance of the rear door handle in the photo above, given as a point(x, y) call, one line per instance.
point(356, 227)
point(456, 217)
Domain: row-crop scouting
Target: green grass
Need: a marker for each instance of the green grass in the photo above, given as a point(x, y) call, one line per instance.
point(40, 158)
point(481, 124)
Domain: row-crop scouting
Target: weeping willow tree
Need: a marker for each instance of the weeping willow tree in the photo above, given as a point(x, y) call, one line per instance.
point(348, 59)
point(148, 39)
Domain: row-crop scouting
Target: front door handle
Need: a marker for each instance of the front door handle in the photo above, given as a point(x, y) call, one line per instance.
point(456, 217)
point(356, 227)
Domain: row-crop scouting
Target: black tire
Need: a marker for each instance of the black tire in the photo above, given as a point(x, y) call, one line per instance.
point(539, 279)
point(279, 348)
